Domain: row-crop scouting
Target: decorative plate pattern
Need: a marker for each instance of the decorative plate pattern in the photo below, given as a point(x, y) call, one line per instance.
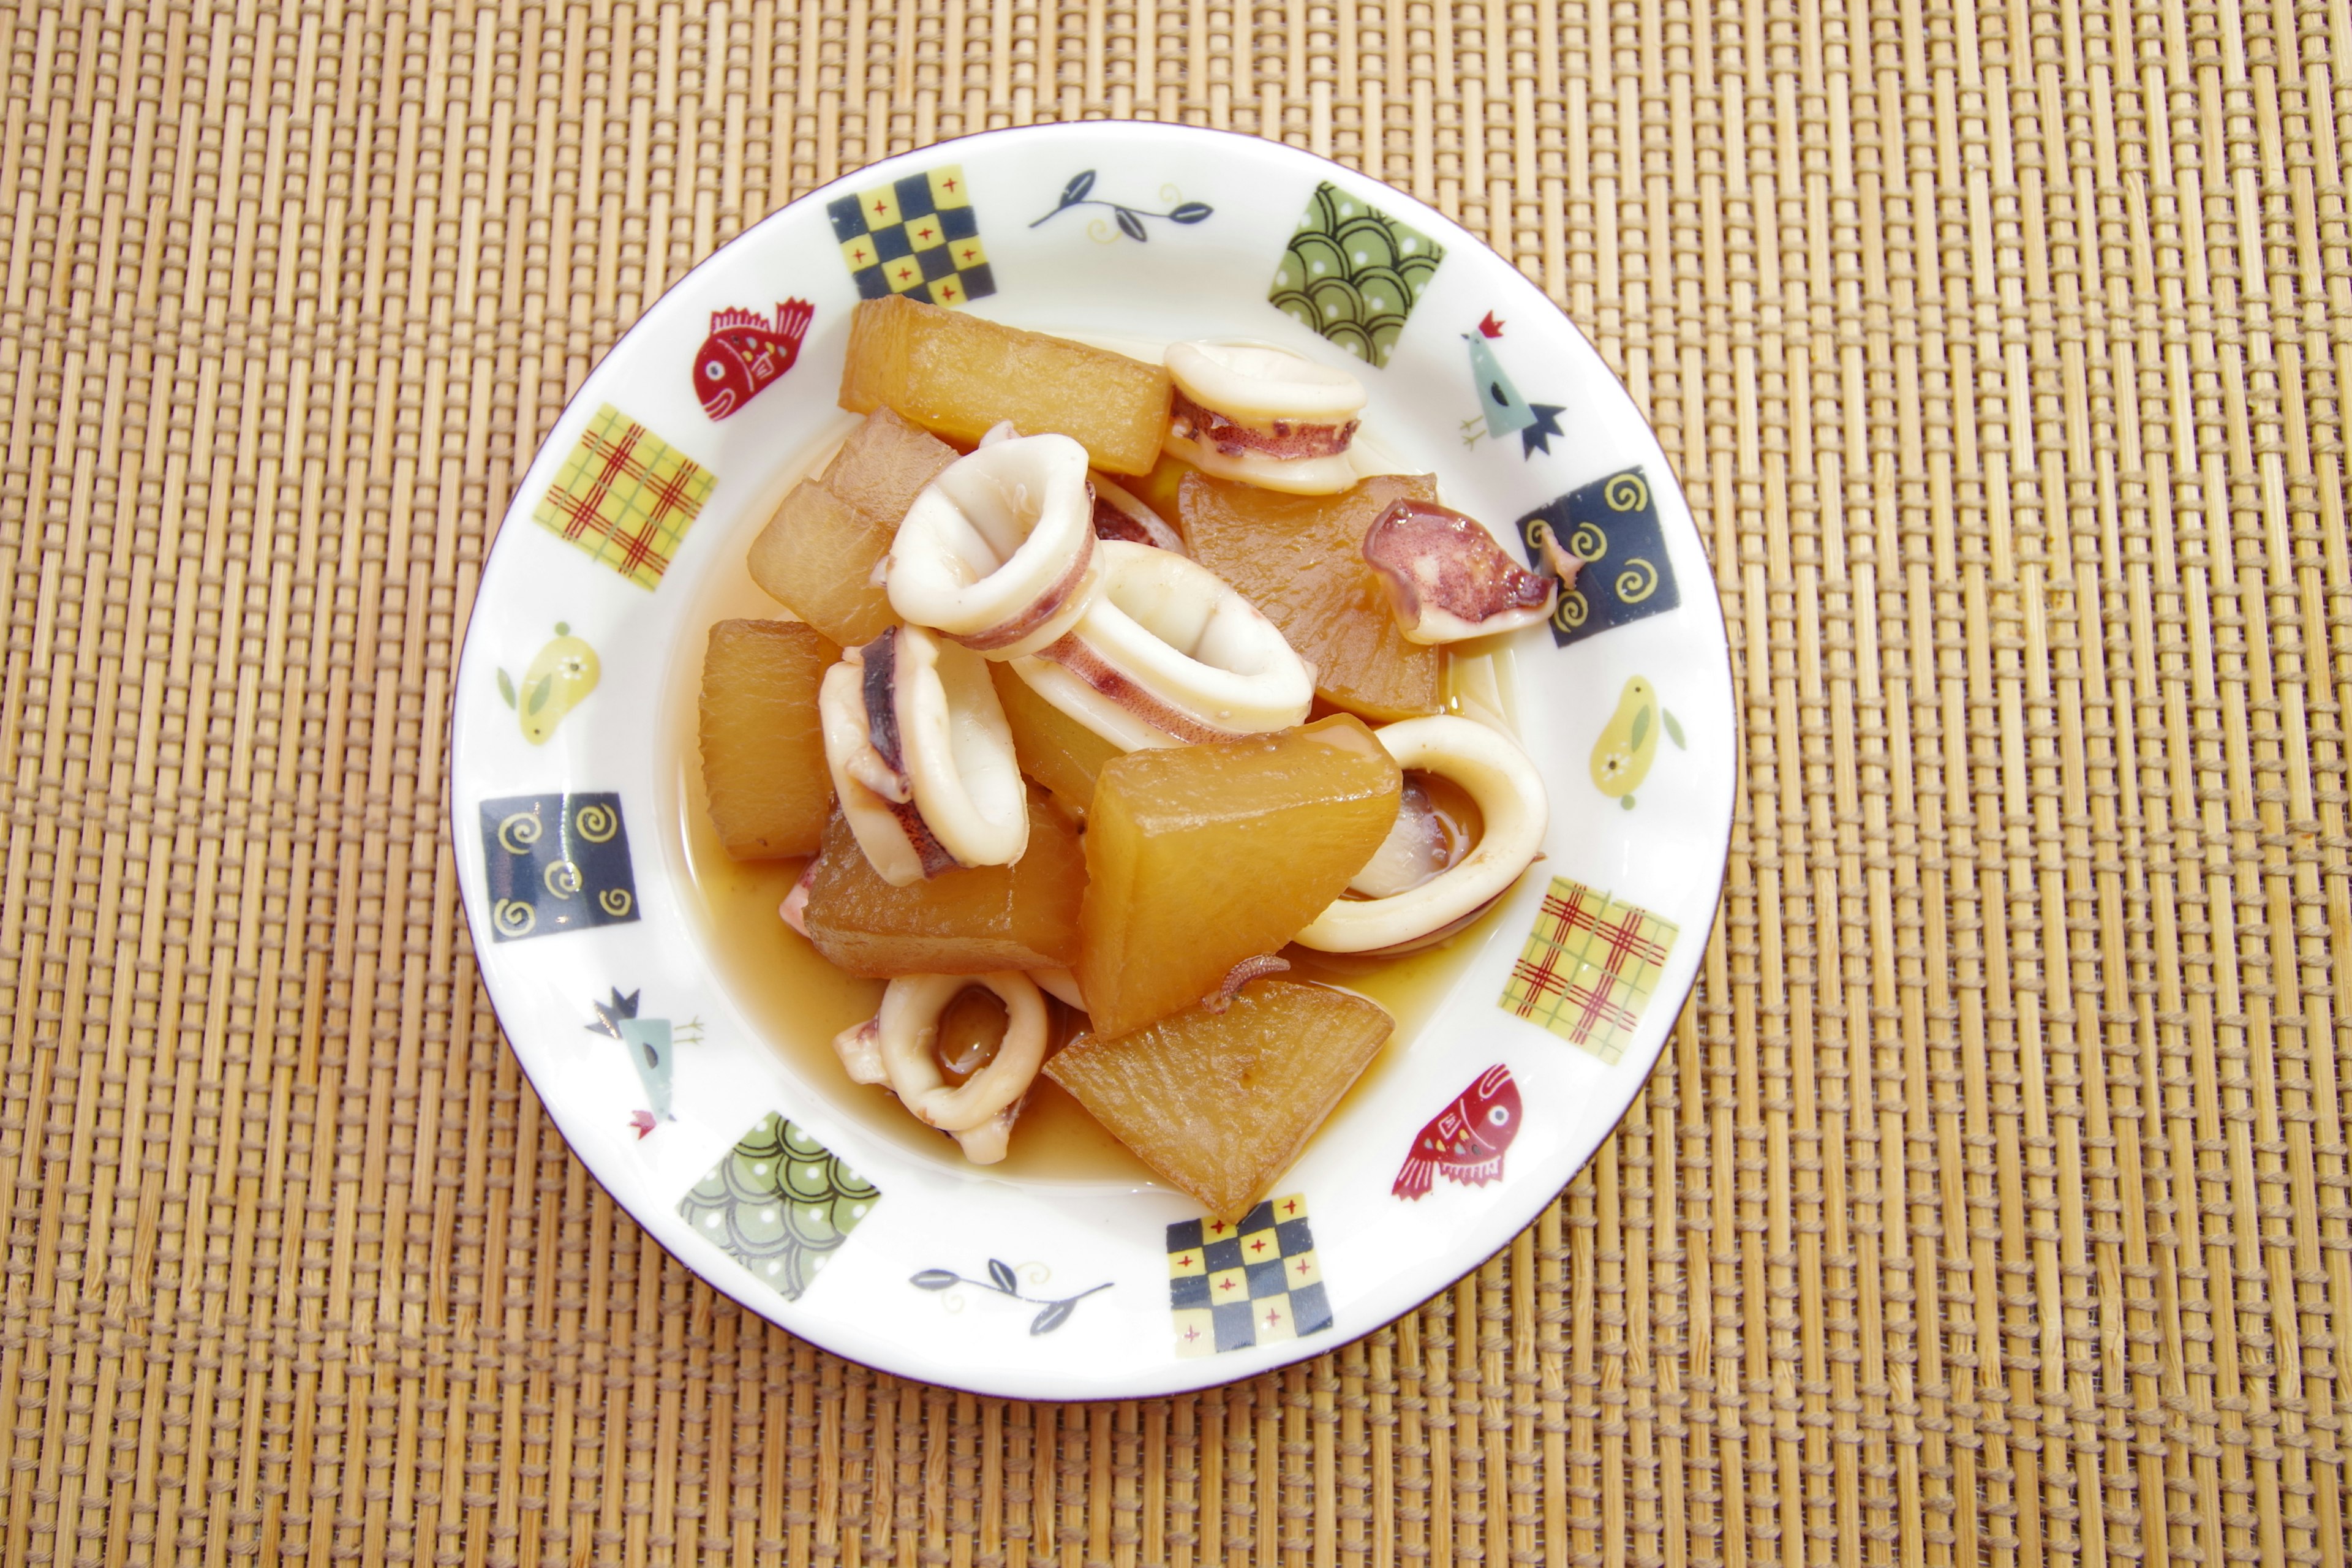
point(555, 863)
point(1126, 221)
point(781, 1203)
point(625, 496)
point(1629, 741)
point(1466, 1142)
point(1502, 408)
point(916, 236)
point(651, 1044)
point(1004, 1280)
point(1611, 525)
point(1589, 968)
point(1352, 274)
point(1234, 1286)
point(558, 678)
point(747, 353)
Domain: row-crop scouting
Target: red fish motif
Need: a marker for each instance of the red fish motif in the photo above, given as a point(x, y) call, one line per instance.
point(745, 353)
point(1467, 1140)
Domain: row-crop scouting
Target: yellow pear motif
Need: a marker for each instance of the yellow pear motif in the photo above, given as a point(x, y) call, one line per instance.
point(563, 672)
point(1629, 741)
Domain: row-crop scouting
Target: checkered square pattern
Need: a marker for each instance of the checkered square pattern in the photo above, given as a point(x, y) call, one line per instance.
point(1589, 968)
point(1234, 1286)
point(625, 496)
point(917, 237)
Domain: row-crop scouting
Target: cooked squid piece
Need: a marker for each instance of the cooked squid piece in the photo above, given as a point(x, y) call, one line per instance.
point(899, 1047)
point(1563, 562)
point(1060, 985)
point(921, 757)
point(1119, 515)
point(1446, 578)
point(1167, 654)
point(1263, 415)
point(1502, 782)
point(998, 553)
point(793, 911)
point(1421, 845)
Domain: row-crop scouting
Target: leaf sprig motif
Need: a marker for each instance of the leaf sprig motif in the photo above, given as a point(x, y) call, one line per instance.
point(1004, 1283)
point(1129, 220)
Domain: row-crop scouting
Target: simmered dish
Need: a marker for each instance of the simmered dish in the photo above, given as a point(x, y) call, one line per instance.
point(1107, 683)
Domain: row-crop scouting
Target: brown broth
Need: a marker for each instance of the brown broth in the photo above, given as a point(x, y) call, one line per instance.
point(797, 1002)
point(971, 1031)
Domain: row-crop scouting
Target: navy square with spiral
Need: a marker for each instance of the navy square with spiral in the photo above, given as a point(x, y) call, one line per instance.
point(1612, 526)
point(556, 862)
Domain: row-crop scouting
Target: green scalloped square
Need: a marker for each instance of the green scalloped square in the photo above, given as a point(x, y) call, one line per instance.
point(781, 1203)
point(1352, 274)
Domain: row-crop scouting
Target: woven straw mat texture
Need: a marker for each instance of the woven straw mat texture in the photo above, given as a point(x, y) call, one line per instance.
point(1989, 1203)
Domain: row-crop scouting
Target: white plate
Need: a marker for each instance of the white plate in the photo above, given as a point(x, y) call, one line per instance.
point(575, 825)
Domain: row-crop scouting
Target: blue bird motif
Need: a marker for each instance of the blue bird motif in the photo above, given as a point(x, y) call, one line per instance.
point(1500, 407)
point(648, 1042)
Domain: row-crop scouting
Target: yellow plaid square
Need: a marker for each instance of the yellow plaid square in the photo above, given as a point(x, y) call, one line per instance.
point(1589, 968)
point(625, 496)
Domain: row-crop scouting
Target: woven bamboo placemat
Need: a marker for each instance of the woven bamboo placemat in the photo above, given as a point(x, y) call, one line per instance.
point(1991, 1203)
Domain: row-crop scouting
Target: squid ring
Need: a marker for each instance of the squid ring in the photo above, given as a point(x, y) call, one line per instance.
point(1167, 654)
point(1263, 415)
point(998, 553)
point(1510, 794)
point(900, 1047)
point(921, 757)
point(1119, 515)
